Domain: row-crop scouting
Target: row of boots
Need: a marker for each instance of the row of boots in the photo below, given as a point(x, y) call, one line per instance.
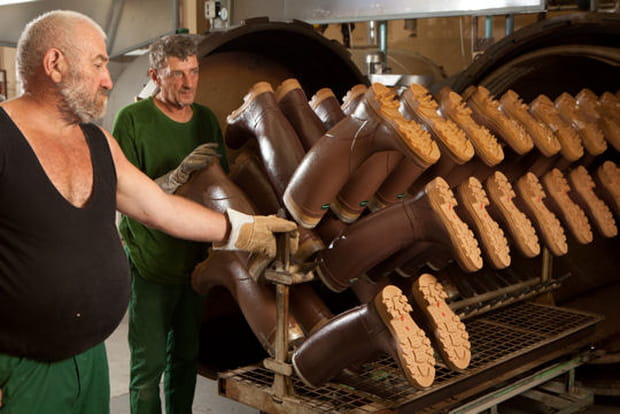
point(364, 181)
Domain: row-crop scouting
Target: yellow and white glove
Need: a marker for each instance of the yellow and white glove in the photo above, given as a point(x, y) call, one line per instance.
point(255, 233)
point(202, 156)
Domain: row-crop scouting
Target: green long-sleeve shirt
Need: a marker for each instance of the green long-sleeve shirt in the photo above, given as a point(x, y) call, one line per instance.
point(157, 144)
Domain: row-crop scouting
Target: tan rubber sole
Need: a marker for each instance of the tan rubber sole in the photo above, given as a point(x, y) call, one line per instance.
point(302, 219)
point(591, 135)
point(416, 357)
point(485, 143)
point(487, 109)
point(609, 178)
point(543, 137)
point(575, 218)
point(451, 336)
point(474, 199)
point(465, 245)
point(519, 226)
point(352, 98)
point(422, 149)
point(423, 107)
point(542, 108)
point(597, 210)
point(532, 194)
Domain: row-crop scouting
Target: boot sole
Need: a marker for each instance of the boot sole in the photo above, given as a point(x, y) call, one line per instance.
point(465, 245)
point(609, 178)
point(416, 357)
point(424, 110)
point(487, 109)
point(450, 334)
point(485, 144)
point(520, 227)
point(575, 218)
point(294, 210)
point(420, 146)
point(532, 194)
point(591, 135)
point(475, 201)
point(596, 209)
point(544, 139)
point(354, 94)
point(542, 109)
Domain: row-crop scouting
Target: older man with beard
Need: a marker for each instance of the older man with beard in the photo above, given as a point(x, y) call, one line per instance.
point(64, 279)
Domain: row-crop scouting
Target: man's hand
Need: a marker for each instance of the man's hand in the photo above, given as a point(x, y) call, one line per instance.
point(255, 233)
point(196, 160)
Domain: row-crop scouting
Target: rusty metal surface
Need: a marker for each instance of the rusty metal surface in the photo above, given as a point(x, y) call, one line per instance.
point(496, 337)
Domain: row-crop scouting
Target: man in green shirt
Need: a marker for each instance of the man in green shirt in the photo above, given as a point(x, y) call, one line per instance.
point(157, 135)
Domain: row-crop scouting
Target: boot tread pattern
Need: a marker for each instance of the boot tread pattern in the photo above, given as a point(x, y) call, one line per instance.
point(519, 225)
point(591, 135)
point(599, 212)
point(450, 333)
point(570, 142)
point(609, 177)
point(421, 104)
point(488, 111)
point(464, 243)
point(543, 137)
point(532, 194)
point(424, 150)
point(414, 349)
point(492, 237)
point(557, 187)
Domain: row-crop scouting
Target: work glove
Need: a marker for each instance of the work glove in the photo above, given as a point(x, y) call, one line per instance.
point(255, 233)
point(199, 158)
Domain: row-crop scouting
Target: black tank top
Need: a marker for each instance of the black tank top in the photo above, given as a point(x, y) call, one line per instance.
point(64, 279)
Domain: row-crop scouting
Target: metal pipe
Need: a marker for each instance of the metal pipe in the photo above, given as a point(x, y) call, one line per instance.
point(383, 41)
point(488, 27)
point(510, 24)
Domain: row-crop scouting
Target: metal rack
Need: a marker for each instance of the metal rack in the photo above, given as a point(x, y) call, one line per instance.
point(499, 338)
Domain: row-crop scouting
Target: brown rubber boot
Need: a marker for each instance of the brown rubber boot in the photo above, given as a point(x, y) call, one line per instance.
point(501, 194)
point(407, 262)
point(543, 137)
point(600, 215)
point(543, 109)
point(376, 126)
point(560, 202)
point(256, 300)
point(592, 137)
point(326, 106)
point(354, 197)
point(486, 146)
point(608, 183)
point(260, 118)
point(430, 217)
point(247, 172)
point(473, 202)
point(419, 105)
point(448, 332)
point(396, 185)
point(595, 112)
point(531, 194)
point(308, 308)
point(486, 111)
point(352, 99)
point(294, 105)
point(360, 333)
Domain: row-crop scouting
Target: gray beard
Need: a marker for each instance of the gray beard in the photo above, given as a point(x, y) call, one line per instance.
point(77, 105)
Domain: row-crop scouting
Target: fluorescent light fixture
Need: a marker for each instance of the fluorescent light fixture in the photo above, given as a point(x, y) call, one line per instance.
point(8, 2)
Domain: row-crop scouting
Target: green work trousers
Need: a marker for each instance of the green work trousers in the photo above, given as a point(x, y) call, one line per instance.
point(77, 385)
point(164, 327)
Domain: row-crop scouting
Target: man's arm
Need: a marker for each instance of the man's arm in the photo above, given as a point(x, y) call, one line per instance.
point(142, 199)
